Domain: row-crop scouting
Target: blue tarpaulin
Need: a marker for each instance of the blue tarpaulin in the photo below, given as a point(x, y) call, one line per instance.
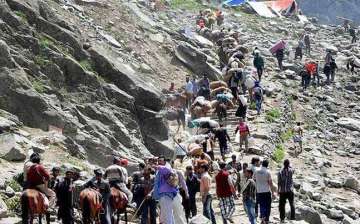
point(234, 2)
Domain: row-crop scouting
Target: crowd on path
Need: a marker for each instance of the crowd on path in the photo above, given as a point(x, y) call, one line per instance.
point(175, 184)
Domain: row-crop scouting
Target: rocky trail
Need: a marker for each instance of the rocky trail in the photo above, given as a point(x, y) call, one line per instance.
point(80, 82)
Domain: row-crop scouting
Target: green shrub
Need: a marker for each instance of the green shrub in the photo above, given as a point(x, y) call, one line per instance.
point(287, 135)
point(14, 185)
point(252, 106)
point(185, 4)
point(279, 153)
point(86, 64)
point(21, 15)
point(13, 204)
point(44, 42)
point(272, 115)
point(41, 60)
point(38, 86)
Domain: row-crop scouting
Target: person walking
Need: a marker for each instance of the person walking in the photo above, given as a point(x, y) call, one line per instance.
point(148, 207)
point(259, 64)
point(189, 92)
point(206, 198)
point(286, 190)
point(193, 185)
point(225, 191)
point(352, 33)
point(241, 111)
point(264, 191)
point(299, 50)
point(64, 193)
point(307, 44)
point(167, 193)
point(279, 54)
point(258, 96)
point(248, 193)
point(333, 67)
point(244, 132)
point(298, 136)
point(327, 72)
point(103, 187)
point(223, 138)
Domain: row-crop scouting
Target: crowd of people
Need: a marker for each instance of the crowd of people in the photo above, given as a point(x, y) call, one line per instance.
point(174, 184)
point(164, 183)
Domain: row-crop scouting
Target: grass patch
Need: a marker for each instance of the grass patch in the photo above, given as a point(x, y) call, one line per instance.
point(185, 4)
point(279, 153)
point(86, 64)
point(21, 15)
point(252, 106)
point(13, 204)
point(44, 42)
point(273, 114)
point(14, 185)
point(41, 60)
point(287, 135)
point(38, 86)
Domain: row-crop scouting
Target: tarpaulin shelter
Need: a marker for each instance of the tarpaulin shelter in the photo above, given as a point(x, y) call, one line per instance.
point(234, 2)
point(286, 7)
point(262, 9)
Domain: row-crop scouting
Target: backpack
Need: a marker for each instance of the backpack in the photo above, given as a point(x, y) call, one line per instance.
point(258, 92)
point(172, 179)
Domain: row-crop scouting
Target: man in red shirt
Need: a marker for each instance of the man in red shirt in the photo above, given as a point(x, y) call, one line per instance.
point(244, 131)
point(37, 178)
point(225, 191)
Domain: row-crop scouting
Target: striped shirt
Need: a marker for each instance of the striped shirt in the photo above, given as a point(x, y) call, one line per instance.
point(285, 180)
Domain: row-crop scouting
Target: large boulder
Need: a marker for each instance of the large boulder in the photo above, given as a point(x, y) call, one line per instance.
point(352, 183)
point(308, 214)
point(349, 123)
point(126, 79)
point(196, 61)
point(9, 149)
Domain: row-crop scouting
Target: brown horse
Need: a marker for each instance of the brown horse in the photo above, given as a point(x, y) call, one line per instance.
point(176, 100)
point(118, 204)
point(91, 205)
point(33, 203)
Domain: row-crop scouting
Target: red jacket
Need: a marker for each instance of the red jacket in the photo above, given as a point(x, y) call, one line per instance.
point(223, 188)
point(36, 175)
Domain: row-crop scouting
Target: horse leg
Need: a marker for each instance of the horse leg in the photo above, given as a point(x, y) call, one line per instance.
point(40, 219)
point(126, 218)
point(24, 210)
point(118, 218)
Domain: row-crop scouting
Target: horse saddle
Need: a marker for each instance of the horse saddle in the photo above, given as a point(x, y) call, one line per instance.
point(38, 203)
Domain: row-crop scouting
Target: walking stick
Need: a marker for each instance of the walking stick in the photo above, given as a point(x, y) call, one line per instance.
point(137, 210)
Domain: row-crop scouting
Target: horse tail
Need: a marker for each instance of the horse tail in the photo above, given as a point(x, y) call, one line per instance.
point(24, 208)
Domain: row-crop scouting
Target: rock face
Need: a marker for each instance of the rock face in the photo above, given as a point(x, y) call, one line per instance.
point(101, 105)
point(9, 149)
point(352, 183)
point(196, 61)
point(308, 214)
point(3, 209)
point(349, 123)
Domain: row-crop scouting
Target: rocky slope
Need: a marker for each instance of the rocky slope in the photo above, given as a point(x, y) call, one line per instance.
point(327, 10)
point(80, 82)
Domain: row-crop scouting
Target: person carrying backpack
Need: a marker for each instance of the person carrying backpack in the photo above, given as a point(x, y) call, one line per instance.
point(258, 96)
point(244, 131)
point(259, 64)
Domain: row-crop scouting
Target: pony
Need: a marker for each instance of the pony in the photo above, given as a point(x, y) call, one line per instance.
point(33, 203)
point(177, 114)
point(118, 204)
point(91, 205)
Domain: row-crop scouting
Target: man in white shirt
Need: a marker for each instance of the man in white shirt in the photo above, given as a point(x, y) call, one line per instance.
point(189, 91)
point(264, 186)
